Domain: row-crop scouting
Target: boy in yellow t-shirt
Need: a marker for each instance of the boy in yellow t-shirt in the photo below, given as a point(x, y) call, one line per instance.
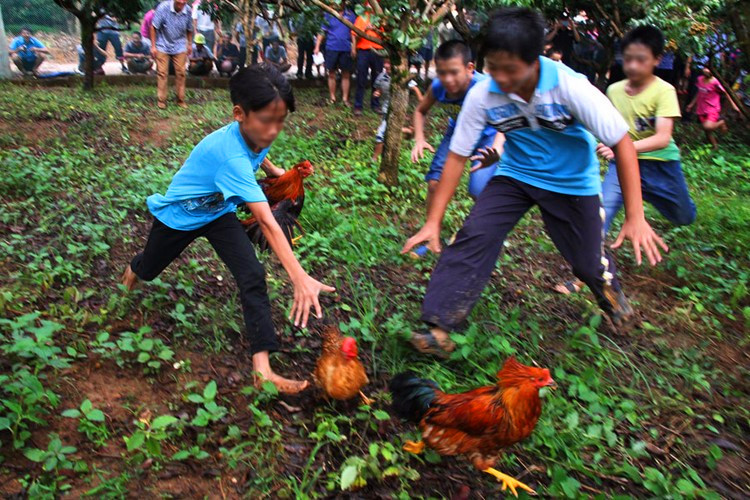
point(649, 106)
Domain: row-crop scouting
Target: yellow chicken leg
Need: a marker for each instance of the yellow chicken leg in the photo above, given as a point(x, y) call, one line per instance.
point(508, 482)
point(365, 399)
point(414, 447)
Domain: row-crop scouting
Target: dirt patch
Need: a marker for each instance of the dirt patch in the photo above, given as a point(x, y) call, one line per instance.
point(31, 133)
point(156, 132)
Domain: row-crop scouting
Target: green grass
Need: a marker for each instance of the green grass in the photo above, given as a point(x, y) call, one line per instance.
point(660, 411)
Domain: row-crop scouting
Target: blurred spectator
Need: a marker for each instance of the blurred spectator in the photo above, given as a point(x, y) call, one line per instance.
point(201, 59)
point(338, 51)
point(27, 52)
point(138, 54)
point(203, 24)
point(227, 56)
point(108, 31)
point(147, 19)
point(171, 41)
point(276, 55)
point(100, 56)
point(369, 62)
point(305, 26)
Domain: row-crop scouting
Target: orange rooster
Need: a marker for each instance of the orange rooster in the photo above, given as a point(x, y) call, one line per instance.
point(286, 196)
point(478, 423)
point(339, 372)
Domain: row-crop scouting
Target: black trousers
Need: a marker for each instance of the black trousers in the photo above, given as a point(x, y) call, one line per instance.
point(228, 238)
point(574, 223)
point(305, 47)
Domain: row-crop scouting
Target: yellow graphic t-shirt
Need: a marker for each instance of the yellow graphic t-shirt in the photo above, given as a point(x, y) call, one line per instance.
point(640, 111)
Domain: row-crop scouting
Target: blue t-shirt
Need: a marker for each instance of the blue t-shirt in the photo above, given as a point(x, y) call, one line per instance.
point(26, 53)
point(453, 104)
point(338, 35)
point(548, 140)
point(218, 175)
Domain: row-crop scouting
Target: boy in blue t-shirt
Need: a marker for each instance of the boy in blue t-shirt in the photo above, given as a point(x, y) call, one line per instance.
point(455, 77)
point(202, 199)
point(548, 114)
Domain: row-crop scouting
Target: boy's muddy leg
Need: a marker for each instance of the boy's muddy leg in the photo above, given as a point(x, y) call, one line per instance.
point(465, 266)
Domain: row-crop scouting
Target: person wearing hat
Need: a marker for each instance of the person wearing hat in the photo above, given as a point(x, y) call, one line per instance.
point(201, 58)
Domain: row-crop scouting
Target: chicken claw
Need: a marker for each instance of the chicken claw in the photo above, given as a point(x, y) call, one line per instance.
point(414, 447)
point(508, 481)
point(365, 400)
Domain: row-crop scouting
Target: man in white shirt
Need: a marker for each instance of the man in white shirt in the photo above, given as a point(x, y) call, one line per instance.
point(202, 23)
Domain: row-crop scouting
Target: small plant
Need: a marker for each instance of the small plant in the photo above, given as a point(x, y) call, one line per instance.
point(210, 412)
point(90, 422)
point(194, 451)
point(146, 441)
point(151, 352)
point(54, 457)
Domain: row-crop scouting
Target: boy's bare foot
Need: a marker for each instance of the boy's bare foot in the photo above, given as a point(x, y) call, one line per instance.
point(569, 287)
point(284, 385)
point(129, 278)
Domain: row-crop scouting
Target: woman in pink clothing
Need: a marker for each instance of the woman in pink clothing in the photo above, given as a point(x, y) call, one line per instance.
point(707, 102)
point(146, 24)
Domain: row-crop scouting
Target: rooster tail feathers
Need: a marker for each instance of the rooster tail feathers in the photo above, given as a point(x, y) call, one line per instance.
point(412, 396)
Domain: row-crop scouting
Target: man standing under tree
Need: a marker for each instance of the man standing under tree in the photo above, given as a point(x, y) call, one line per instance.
point(368, 61)
point(171, 40)
point(338, 53)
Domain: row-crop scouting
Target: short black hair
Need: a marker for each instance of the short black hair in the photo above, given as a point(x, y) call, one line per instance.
point(136, 32)
point(647, 35)
point(255, 87)
point(26, 28)
point(516, 30)
point(454, 48)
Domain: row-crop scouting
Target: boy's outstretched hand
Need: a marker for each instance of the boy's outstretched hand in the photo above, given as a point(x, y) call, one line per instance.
point(417, 152)
point(306, 292)
point(640, 234)
point(485, 157)
point(429, 233)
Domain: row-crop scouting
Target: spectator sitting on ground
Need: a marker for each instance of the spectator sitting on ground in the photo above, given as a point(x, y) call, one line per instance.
point(276, 55)
point(138, 54)
point(201, 59)
point(27, 52)
point(100, 56)
point(227, 56)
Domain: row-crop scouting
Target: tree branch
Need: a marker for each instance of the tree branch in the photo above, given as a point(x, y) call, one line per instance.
point(347, 23)
point(441, 12)
point(606, 16)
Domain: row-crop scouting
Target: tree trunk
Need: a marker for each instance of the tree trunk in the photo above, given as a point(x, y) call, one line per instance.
point(87, 42)
point(396, 118)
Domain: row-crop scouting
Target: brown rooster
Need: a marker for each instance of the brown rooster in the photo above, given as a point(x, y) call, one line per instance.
point(477, 423)
point(339, 372)
point(286, 196)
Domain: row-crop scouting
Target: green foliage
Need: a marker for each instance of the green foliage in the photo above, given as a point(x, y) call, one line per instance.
point(210, 411)
point(90, 422)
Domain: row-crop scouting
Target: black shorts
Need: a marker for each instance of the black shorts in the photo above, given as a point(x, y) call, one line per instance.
point(341, 59)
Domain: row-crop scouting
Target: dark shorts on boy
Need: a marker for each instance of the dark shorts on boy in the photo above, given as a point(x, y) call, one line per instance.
point(574, 223)
point(477, 180)
point(231, 243)
point(339, 59)
point(663, 186)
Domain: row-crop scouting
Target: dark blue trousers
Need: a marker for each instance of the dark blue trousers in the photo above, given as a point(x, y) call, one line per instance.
point(367, 60)
point(574, 223)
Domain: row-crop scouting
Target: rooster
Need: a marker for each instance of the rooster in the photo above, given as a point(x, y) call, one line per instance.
point(286, 196)
point(478, 423)
point(339, 372)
